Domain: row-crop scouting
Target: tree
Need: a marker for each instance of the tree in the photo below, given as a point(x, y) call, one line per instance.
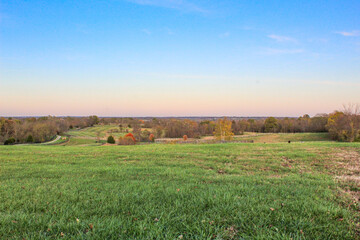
point(10, 141)
point(128, 139)
point(145, 136)
point(223, 129)
point(30, 139)
point(185, 137)
point(318, 123)
point(271, 125)
point(151, 137)
point(158, 131)
point(111, 140)
point(137, 131)
point(131, 136)
point(345, 125)
point(93, 120)
point(304, 123)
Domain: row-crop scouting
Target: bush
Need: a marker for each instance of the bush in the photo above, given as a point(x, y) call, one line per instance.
point(131, 136)
point(111, 140)
point(126, 141)
point(10, 141)
point(152, 138)
point(30, 139)
point(185, 137)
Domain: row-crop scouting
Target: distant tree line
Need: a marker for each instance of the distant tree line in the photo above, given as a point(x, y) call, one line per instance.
point(176, 128)
point(342, 126)
point(36, 130)
point(345, 125)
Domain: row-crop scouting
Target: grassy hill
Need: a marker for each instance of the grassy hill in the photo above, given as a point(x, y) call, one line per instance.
point(161, 191)
point(103, 130)
point(284, 137)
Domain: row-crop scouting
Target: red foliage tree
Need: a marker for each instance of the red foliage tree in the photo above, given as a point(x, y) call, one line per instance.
point(151, 137)
point(132, 136)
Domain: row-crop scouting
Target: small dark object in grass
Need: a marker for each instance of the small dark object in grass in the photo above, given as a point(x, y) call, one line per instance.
point(289, 141)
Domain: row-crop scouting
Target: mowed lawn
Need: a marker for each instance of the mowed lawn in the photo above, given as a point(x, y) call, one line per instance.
point(204, 191)
point(99, 130)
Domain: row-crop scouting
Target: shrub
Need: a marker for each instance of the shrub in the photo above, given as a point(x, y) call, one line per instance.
point(185, 137)
point(30, 139)
point(111, 140)
point(126, 141)
point(10, 141)
point(152, 138)
point(131, 136)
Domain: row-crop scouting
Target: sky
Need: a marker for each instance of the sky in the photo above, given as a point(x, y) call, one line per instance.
point(178, 57)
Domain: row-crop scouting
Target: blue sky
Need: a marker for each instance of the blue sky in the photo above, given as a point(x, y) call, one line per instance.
point(178, 57)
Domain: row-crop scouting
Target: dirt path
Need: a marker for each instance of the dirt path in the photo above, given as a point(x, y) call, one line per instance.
point(52, 141)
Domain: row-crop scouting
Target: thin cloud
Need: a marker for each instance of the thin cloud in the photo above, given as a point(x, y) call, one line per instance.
point(275, 51)
point(354, 33)
point(279, 38)
point(182, 5)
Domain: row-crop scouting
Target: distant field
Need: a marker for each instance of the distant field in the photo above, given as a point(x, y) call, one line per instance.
point(82, 141)
point(184, 191)
point(104, 130)
point(284, 137)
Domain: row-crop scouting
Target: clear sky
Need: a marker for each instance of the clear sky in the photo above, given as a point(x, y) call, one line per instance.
point(178, 57)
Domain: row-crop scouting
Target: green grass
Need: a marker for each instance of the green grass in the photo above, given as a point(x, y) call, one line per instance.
point(284, 137)
point(91, 132)
point(206, 191)
point(81, 141)
point(62, 140)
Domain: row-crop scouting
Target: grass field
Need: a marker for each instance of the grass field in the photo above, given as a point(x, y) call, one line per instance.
point(87, 136)
point(284, 137)
point(159, 191)
point(104, 130)
point(81, 141)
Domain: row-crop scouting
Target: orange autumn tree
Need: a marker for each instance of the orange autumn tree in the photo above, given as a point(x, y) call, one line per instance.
point(223, 129)
point(128, 139)
point(152, 138)
point(185, 137)
point(131, 136)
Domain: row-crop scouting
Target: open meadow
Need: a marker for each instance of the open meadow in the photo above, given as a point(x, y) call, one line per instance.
point(179, 120)
point(302, 190)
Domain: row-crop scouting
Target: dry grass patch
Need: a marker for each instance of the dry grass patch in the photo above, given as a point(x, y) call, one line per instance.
point(348, 163)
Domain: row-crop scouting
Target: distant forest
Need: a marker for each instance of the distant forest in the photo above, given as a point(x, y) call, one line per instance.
point(342, 126)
